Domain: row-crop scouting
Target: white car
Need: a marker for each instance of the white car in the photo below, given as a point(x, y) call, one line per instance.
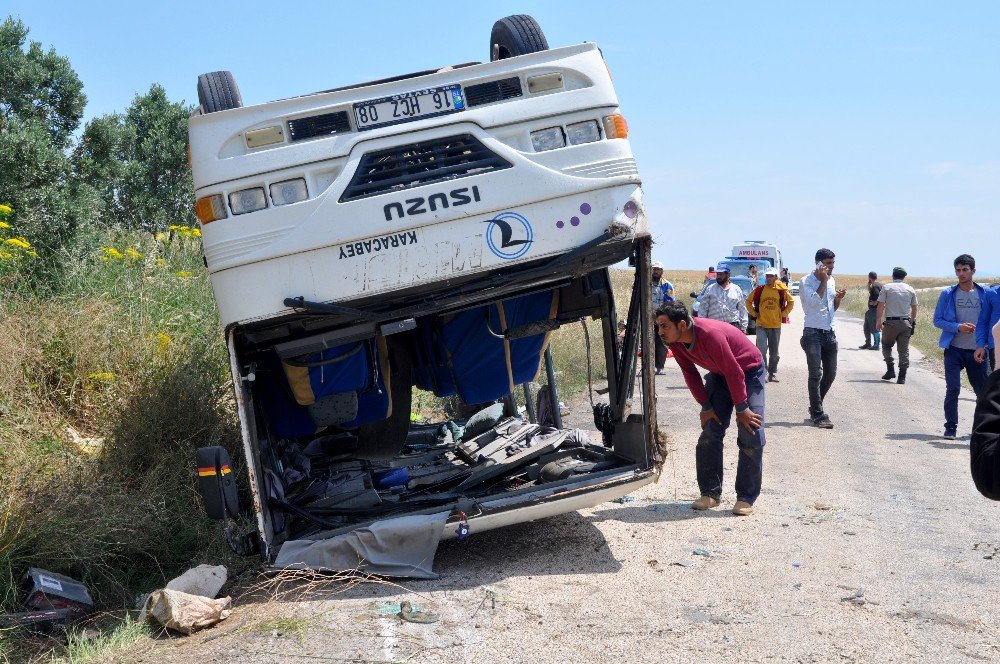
point(796, 285)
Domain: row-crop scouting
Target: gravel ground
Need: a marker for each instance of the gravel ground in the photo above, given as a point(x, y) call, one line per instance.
point(869, 543)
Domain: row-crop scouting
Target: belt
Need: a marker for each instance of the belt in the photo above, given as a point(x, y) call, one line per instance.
point(897, 318)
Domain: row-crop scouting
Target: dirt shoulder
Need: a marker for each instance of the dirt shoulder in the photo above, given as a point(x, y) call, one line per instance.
point(869, 543)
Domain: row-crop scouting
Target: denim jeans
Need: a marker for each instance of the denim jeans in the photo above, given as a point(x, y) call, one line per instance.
point(821, 357)
point(708, 453)
point(870, 322)
point(956, 359)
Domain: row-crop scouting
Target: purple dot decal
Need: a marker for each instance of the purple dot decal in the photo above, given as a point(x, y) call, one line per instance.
point(575, 221)
point(559, 224)
point(585, 208)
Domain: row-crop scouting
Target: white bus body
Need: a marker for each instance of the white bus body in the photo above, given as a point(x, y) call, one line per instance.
point(345, 241)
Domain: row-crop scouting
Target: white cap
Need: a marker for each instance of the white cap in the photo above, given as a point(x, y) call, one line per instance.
point(657, 264)
point(770, 271)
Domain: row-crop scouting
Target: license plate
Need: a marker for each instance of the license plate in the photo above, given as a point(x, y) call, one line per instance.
point(410, 106)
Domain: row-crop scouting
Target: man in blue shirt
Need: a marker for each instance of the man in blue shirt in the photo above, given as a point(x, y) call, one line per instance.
point(988, 317)
point(820, 299)
point(957, 315)
point(661, 291)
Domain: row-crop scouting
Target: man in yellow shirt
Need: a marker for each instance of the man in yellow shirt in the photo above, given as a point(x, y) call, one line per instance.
point(768, 305)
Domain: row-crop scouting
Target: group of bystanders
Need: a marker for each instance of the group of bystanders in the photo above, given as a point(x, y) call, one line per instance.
point(737, 371)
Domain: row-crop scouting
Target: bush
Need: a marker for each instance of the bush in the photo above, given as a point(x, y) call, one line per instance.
point(109, 384)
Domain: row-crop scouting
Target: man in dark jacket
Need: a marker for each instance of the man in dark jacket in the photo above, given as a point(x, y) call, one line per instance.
point(985, 443)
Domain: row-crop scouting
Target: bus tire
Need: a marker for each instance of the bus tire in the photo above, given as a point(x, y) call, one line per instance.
point(516, 35)
point(217, 91)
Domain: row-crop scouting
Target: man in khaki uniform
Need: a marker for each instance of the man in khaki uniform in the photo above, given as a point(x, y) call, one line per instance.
point(898, 303)
point(768, 305)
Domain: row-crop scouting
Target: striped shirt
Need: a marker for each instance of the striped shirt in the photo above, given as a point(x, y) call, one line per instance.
point(725, 304)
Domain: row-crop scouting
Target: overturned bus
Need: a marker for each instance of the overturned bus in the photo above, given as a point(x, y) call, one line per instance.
point(427, 231)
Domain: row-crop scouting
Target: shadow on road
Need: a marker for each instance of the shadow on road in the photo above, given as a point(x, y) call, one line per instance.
point(658, 513)
point(806, 422)
point(875, 381)
point(934, 440)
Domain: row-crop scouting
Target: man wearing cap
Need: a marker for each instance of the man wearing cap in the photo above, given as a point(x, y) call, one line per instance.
point(661, 291)
point(723, 300)
point(898, 303)
point(768, 305)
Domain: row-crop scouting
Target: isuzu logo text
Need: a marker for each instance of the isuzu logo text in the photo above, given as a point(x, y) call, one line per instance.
point(420, 205)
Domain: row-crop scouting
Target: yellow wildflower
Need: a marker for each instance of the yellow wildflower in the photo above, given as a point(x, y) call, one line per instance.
point(101, 376)
point(33, 254)
point(6, 255)
point(5, 210)
point(4, 224)
point(133, 254)
point(163, 342)
point(18, 242)
point(111, 252)
point(161, 236)
point(196, 232)
point(175, 227)
point(161, 262)
point(183, 274)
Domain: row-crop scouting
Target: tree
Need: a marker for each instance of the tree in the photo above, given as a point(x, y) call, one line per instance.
point(41, 103)
point(38, 85)
point(137, 163)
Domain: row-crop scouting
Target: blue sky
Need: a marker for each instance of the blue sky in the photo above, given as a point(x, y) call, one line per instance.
point(869, 128)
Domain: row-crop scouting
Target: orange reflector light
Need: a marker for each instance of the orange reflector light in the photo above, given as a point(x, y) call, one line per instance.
point(210, 208)
point(615, 126)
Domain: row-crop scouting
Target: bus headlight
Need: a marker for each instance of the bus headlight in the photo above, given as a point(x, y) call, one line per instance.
point(548, 139)
point(289, 191)
point(247, 200)
point(583, 132)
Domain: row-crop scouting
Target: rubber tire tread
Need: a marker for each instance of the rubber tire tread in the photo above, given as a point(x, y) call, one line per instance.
point(520, 33)
point(217, 91)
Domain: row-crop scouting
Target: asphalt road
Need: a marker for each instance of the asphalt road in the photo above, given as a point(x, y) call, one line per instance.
point(869, 543)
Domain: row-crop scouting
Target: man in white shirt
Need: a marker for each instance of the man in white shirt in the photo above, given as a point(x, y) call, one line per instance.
point(820, 299)
point(723, 300)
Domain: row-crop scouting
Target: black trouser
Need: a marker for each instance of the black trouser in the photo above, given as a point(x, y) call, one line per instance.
point(821, 356)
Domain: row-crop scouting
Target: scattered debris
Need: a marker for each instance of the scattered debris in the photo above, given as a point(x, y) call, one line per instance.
point(796, 564)
point(186, 613)
point(653, 563)
point(822, 506)
point(51, 599)
point(414, 614)
point(857, 598)
point(203, 580)
point(850, 532)
point(683, 563)
point(621, 500)
point(701, 552)
point(388, 608)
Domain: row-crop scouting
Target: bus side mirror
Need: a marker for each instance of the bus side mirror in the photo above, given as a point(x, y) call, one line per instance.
point(216, 484)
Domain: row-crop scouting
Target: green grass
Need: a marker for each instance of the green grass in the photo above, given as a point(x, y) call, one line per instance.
point(114, 372)
point(119, 638)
